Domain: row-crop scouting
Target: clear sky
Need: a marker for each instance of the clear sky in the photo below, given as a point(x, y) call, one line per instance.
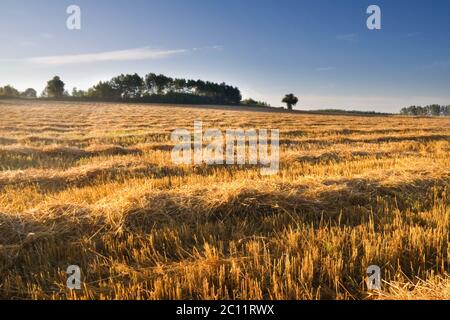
point(320, 50)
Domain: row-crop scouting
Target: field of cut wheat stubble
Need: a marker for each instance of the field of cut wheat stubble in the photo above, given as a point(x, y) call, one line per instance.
point(93, 185)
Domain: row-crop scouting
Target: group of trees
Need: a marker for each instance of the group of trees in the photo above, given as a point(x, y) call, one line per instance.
point(11, 92)
point(163, 89)
point(152, 88)
point(254, 103)
point(54, 89)
point(290, 100)
point(132, 87)
point(431, 110)
point(160, 88)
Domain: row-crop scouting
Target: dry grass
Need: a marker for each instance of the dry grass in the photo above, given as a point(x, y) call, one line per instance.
point(437, 288)
point(94, 185)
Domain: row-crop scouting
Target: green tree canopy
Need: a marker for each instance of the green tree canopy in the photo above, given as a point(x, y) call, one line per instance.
point(104, 91)
point(430, 110)
point(9, 91)
point(162, 89)
point(29, 93)
point(55, 88)
point(130, 85)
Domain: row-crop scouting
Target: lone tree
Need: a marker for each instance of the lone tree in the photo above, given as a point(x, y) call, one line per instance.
point(290, 100)
point(55, 87)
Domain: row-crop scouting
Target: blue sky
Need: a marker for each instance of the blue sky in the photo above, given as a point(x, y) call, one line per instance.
point(320, 50)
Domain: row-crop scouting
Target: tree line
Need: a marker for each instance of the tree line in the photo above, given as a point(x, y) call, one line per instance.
point(134, 88)
point(155, 88)
point(430, 110)
point(11, 92)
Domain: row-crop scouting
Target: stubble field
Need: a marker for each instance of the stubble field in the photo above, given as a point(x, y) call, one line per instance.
point(93, 185)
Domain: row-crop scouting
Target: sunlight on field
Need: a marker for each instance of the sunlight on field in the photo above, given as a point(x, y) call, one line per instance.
point(94, 185)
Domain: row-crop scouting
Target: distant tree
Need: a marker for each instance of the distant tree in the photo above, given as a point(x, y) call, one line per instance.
point(55, 88)
point(162, 83)
point(29, 93)
point(150, 83)
point(404, 111)
point(191, 86)
point(434, 110)
point(9, 92)
point(104, 91)
point(180, 85)
point(134, 85)
point(78, 93)
point(421, 111)
point(252, 102)
point(232, 95)
point(249, 102)
point(290, 100)
point(130, 86)
point(446, 110)
point(414, 110)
